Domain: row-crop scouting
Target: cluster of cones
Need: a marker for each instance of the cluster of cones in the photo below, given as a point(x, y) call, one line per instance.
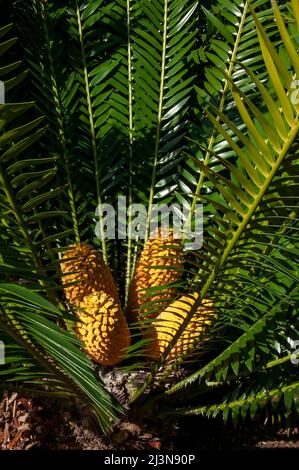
point(102, 325)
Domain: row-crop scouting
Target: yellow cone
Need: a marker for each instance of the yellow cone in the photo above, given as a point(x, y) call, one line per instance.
point(103, 329)
point(84, 266)
point(166, 325)
point(160, 263)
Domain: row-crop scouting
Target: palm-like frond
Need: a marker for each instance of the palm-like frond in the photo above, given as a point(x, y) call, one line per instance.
point(137, 103)
point(49, 353)
point(244, 203)
point(276, 401)
point(161, 40)
point(55, 363)
point(238, 43)
point(24, 194)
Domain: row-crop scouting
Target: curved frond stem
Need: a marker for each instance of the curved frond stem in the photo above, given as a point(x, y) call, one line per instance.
point(60, 124)
point(226, 88)
point(13, 329)
point(259, 399)
point(232, 243)
point(53, 349)
point(92, 132)
point(130, 150)
point(207, 368)
point(25, 233)
point(228, 250)
point(159, 119)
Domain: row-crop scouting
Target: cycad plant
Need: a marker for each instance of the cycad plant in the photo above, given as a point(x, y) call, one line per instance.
point(151, 102)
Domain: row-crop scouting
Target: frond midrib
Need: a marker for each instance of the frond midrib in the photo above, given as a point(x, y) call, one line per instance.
point(211, 142)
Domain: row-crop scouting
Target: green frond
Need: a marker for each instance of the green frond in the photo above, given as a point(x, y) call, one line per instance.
point(159, 103)
point(27, 319)
point(280, 402)
point(239, 204)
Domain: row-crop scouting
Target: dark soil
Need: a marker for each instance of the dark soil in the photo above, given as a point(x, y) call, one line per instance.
point(54, 425)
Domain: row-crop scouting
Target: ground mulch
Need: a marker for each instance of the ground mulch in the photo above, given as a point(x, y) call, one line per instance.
point(29, 424)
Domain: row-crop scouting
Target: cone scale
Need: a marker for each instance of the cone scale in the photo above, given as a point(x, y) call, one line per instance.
point(162, 330)
point(90, 288)
point(160, 264)
point(103, 329)
point(84, 268)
